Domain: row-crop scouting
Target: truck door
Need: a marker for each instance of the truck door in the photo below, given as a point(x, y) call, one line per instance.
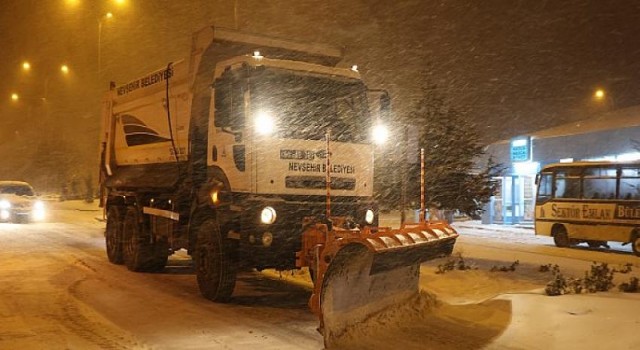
point(228, 134)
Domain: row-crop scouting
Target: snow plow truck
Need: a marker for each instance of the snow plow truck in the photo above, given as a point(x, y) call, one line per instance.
point(257, 153)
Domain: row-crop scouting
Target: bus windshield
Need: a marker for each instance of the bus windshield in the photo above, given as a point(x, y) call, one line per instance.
point(305, 106)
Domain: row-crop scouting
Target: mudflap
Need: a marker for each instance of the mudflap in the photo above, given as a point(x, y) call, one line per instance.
point(359, 283)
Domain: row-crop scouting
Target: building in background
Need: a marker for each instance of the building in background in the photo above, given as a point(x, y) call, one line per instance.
point(610, 136)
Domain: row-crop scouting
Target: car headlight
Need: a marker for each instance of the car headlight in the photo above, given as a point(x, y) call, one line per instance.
point(38, 212)
point(4, 204)
point(369, 216)
point(268, 215)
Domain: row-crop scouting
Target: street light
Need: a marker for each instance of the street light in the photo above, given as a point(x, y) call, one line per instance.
point(601, 96)
point(26, 67)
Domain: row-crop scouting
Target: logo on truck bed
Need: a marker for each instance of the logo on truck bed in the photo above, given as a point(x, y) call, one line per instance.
point(143, 82)
point(138, 133)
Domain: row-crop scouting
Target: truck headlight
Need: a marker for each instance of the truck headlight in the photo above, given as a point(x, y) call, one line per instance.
point(369, 216)
point(264, 123)
point(4, 204)
point(268, 215)
point(380, 134)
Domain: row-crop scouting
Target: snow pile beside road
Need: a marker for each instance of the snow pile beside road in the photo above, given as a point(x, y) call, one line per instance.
point(585, 321)
point(424, 322)
point(477, 308)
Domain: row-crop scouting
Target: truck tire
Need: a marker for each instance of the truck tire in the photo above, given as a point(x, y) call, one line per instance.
point(113, 235)
point(141, 252)
point(214, 263)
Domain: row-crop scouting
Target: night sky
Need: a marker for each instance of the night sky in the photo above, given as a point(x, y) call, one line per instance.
point(511, 66)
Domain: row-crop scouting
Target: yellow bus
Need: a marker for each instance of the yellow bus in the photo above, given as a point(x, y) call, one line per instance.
point(589, 202)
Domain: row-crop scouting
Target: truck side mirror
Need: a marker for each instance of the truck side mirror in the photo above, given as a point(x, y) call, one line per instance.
point(385, 105)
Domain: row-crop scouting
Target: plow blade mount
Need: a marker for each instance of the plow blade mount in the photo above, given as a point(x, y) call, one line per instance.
point(375, 272)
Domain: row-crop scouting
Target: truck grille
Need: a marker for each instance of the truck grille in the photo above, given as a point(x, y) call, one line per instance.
point(337, 183)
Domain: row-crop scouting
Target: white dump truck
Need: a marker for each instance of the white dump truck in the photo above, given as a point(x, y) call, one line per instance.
point(227, 155)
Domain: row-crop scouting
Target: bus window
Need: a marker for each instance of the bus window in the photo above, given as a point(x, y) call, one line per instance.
point(567, 184)
point(630, 184)
point(599, 183)
point(544, 187)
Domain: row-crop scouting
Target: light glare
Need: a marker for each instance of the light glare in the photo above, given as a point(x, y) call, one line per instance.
point(380, 134)
point(369, 216)
point(264, 123)
point(268, 215)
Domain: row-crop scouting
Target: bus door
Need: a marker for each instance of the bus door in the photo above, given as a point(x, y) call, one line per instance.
point(513, 199)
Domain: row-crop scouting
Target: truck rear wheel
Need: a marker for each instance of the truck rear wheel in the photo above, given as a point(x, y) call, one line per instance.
point(113, 235)
point(141, 252)
point(215, 268)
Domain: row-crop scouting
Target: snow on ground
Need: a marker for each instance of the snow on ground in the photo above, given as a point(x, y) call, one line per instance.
point(60, 293)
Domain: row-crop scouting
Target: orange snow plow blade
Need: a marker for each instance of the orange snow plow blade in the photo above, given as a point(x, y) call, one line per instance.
point(361, 272)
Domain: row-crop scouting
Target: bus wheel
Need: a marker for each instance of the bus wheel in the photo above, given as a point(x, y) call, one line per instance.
point(561, 238)
point(635, 243)
point(214, 262)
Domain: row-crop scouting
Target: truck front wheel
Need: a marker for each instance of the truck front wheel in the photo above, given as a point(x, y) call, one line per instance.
point(113, 235)
point(141, 252)
point(215, 268)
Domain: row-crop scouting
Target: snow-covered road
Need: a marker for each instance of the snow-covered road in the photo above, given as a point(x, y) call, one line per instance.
point(59, 292)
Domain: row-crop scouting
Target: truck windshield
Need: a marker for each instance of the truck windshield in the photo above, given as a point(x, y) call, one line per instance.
point(304, 106)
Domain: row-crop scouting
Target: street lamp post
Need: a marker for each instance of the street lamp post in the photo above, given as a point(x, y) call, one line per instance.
point(15, 97)
point(45, 123)
point(107, 16)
